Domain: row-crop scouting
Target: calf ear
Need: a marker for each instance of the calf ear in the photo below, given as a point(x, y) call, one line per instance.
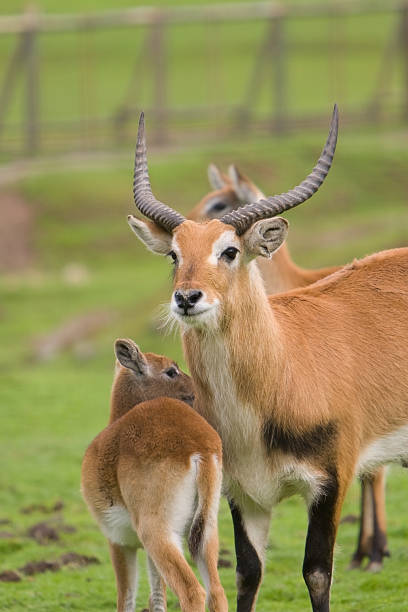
point(266, 236)
point(154, 237)
point(130, 356)
point(215, 177)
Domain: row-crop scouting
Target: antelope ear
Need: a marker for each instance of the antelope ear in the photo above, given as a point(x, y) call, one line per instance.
point(154, 237)
point(245, 189)
point(265, 237)
point(215, 177)
point(130, 356)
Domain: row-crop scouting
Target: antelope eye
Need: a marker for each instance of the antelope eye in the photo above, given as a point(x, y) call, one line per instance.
point(173, 256)
point(230, 253)
point(218, 207)
point(171, 372)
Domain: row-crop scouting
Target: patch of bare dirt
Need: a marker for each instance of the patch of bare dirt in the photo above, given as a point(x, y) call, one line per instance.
point(5, 535)
point(350, 518)
point(16, 233)
point(46, 532)
point(67, 528)
point(9, 576)
point(71, 559)
point(39, 567)
point(43, 533)
point(74, 559)
point(59, 505)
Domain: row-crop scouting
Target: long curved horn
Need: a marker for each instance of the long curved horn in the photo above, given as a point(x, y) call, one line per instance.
point(145, 201)
point(242, 218)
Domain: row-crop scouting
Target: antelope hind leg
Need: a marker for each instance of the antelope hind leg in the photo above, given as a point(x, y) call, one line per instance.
point(124, 561)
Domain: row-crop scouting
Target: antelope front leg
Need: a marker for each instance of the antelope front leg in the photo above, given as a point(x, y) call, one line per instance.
point(324, 516)
point(251, 526)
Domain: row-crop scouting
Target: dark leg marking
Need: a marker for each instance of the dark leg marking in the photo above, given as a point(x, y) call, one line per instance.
point(249, 568)
point(195, 538)
point(312, 441)
point(321, 534)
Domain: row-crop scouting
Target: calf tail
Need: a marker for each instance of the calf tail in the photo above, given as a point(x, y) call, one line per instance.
point(209, 479)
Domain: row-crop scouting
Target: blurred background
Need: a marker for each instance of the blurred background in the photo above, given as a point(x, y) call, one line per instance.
point(251, 83)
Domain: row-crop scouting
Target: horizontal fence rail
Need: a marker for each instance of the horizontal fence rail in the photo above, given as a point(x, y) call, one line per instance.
point(64, 87)
point(143, 16)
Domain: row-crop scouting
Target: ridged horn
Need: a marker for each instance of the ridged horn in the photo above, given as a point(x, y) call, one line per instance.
point(145, 201)
point(242, 218)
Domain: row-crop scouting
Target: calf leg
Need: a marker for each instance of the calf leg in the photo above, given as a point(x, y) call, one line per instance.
point(251, 525)
point(124, 562)
point(157, 601)
point(170, 562)
point(207, 560)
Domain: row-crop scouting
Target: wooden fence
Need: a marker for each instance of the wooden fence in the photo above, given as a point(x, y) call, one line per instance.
point(32, 124)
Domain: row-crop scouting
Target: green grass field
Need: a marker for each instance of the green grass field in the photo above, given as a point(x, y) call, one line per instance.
point(51, 410)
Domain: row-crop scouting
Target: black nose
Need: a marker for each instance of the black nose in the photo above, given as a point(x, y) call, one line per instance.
point(187, 299)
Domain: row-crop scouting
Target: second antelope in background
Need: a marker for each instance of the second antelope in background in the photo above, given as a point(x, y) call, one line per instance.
point(153, 472)
point(280, 274)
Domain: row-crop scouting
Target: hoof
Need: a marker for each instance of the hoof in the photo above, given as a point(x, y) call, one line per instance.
point(374, 567)
point(355, 564)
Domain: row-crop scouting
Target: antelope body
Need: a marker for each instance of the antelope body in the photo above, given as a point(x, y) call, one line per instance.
point(307, 389)
point(153, 472)
point(280, 274)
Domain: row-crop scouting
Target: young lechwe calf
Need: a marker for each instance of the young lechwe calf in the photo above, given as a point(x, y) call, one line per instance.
point(152, 473)
point(307, 388)
point(279, 274)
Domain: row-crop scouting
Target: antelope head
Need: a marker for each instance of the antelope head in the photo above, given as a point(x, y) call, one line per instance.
point(231, 191)
point(213, 260)
point(143, 376)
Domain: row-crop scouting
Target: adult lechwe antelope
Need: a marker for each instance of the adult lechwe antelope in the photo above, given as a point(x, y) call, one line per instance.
point(280, 273)
point(156, 469)
point(305, 388)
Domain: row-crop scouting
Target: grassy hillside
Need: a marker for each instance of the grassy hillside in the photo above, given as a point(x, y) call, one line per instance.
point(51, 410)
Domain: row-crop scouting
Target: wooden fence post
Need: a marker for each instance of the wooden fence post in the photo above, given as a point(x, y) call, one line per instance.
point(404, 45)
point(10, 77)
point(279, 120)
point(159, 66)
point(31, 62)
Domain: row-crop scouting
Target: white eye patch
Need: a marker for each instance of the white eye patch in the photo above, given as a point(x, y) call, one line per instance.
point(227, 239)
